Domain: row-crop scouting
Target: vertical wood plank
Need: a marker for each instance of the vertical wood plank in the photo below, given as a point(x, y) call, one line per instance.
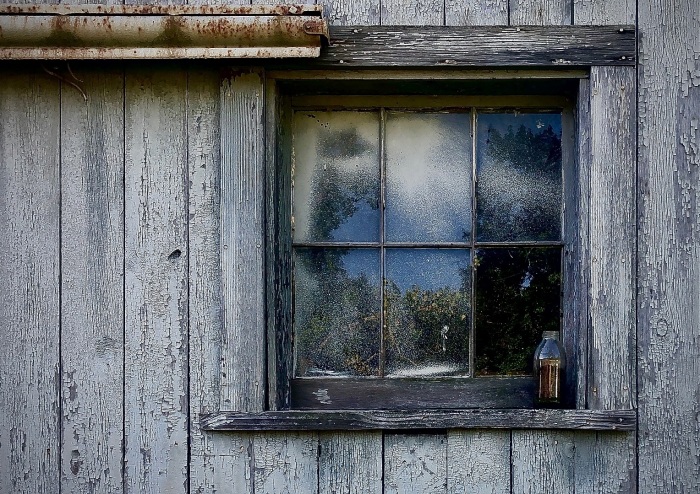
point(669, 247)
point(612, 238)
point(352, 12)
point(578, 264)
point(228, 471)
point(478, 462)
point(412, 12)
point(350, 462)
point(543, 461)
point(540, 12)
point(243, 242)
point(604, 462)
point(604, 12)
point(156, 398)
point(476, 12)
point(92, 315)
point(29, 313)
point(286, 463)
point(415, 463)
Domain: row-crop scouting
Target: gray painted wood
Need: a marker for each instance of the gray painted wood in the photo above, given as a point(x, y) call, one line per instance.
point(30, 378)
point(243, 242)
point(540, 12)
point(352, 12)
point(604, 462)
point(543, 461)
point(415, 464)
point(474, 46)
point(350, 462)
point(601, 12)
point(286, 463)
point(669, 247)
point(476, 12)
point(579, 264)
point(478, 462)
point(204, 158)
point(92, 290)
point(156, 402)
point(412, 12)
point(612, 238)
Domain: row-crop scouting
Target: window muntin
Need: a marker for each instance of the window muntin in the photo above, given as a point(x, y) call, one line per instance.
point(518, 230)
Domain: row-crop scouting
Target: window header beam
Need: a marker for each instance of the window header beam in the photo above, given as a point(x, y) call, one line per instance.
point(477, 46)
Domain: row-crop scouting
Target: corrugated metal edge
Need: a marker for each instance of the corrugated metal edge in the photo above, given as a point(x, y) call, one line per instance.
point(156, 53)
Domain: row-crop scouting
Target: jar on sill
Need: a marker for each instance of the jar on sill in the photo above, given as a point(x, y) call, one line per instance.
point(549, 368)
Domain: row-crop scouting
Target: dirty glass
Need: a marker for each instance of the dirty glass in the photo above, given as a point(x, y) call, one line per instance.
point(428, 177)
point(336, 176)
point(427, 312)
point(519, 177)
point(336, 317)
point(517, 297)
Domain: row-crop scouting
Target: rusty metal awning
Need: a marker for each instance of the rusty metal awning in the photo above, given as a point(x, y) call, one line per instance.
point(62, 32)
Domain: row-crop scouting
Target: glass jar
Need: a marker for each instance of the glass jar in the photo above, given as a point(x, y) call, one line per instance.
point(549, 368)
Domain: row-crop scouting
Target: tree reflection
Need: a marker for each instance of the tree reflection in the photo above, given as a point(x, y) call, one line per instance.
point(519, 184)
point(517, 298)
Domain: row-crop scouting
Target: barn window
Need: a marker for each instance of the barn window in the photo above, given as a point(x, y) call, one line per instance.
point(426, 237)
point(358, 315)
point(427, 245)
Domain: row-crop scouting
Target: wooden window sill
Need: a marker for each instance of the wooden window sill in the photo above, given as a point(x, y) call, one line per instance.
point(290, 420)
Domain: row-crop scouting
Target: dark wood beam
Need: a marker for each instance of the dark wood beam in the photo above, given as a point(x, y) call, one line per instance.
point(602, 420)
point(490, 46)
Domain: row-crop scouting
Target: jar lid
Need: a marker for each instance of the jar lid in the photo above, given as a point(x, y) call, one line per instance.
point(554, 335)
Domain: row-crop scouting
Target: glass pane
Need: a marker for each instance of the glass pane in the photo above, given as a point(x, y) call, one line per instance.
point(518, 176)
point(336, 311)
point(427, 312)
point(336, 176)
point(428, 177)
point(517, 297)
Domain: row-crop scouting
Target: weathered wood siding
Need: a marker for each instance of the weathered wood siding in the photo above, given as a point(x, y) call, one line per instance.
point(112, 326)
point(669, 247)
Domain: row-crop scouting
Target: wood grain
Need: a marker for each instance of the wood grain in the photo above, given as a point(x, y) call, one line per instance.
point(669, 247)
point(30, 378)
point(286, 463)
point(478, 462)
point(612, 239)
point(415, 464)
point(473, 418)
point(352, 12)
point(540, 12)
point(602, 12)
point(411, 394)
point(476, 12)
point(350, 462)
point(92, 284)
point(543, 461)
point(475, 46)
point(243, 242)
point(156, 398)
point(412, 12)
point(605, 462)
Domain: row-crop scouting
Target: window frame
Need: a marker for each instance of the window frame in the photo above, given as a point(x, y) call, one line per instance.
point(292, 393)
point(604, 291)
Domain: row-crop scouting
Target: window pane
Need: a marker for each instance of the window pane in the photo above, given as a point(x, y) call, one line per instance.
point(517, 295)
point(336, 316)
point(336, 176)
point(428, 177)
point(427, 312)
point(518, 176)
